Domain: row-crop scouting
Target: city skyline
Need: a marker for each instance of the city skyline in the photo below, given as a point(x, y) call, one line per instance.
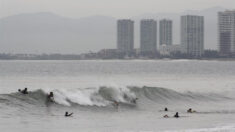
point(18, 36)
point(192, 35)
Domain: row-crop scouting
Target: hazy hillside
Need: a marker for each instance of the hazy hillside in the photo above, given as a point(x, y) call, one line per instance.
point(47, 33)
point(50, 33)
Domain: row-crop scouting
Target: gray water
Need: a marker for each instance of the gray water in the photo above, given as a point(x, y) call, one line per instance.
point(88, 89)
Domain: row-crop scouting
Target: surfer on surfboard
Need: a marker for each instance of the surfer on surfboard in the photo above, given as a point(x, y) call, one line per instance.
point(115, 104)
point(191, 111)
point(67, 114)
point(50, 97)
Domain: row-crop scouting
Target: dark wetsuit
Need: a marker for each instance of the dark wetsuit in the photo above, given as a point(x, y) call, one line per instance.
point(25, 91)
point(190, 110)
point(176, 115)
point(50, 97)
point(67, 114)
point(165, 109)
point(133, 101)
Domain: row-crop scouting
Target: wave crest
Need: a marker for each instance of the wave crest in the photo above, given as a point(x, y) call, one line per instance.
point(104, 96)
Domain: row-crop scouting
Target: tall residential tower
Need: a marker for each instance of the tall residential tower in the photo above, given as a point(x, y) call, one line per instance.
point(125, 35)
point(192, 35)
point(165, 32)
point(226, 34)
point(148, 36)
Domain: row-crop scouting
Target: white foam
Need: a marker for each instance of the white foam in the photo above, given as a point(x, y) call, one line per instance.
point(229, 128)
point(91, 96)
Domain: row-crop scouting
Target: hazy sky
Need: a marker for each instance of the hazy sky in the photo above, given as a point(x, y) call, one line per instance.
point(115, 8)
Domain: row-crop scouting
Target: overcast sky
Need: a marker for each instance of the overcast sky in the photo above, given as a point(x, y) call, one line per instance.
point(115, 8)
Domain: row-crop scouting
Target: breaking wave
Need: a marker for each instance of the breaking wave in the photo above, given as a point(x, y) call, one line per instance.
point(105, 96)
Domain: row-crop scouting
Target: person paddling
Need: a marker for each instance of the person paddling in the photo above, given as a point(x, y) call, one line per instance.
point(67, 114)
point(190, 110)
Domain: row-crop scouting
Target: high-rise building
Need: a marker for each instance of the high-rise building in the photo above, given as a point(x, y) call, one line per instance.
point(226, 34)
point(148, 36)
point(165, 32)
point(125, 35)
point(192, 35)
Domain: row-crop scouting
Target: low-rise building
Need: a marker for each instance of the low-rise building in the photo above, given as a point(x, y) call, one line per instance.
point(169, 49)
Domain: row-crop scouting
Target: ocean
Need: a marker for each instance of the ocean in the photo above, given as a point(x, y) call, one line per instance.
point(142, 88)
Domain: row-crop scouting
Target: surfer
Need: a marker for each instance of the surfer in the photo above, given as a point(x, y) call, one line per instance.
point(176, 115)
point(134, 100)
point(166, 116)
point(67, 114)
point(191, 111)
point(115, 104)
point(25, 91)
point(50, 97)
point(166, 109)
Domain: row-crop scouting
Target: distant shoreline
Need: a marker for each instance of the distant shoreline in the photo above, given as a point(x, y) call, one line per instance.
point(203, 59)
point(211, 55)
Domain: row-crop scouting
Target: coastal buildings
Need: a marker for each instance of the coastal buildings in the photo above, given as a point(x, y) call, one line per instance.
point(226, 26)
point(148, 36)
point(170, 49)
point(192, 35)
point(125, 36)
point(165, 32)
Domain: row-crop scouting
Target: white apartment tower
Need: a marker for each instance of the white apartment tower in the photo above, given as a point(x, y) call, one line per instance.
point(148, 36)
point(125, 35)
point(226, 26)
point(165, 32)
point(192, 35)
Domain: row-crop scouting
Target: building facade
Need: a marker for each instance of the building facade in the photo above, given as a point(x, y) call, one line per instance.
point(148, 36)
point(125, 35)
point(226, 27)
point(169, 49)
point(165, 32)
point(192, 35)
